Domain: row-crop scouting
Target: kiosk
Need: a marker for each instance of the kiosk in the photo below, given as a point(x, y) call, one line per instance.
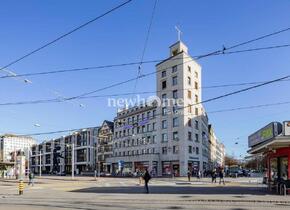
point(273, 141)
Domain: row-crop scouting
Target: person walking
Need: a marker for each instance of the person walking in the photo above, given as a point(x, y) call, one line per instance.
point(189, 175)
point(31, 179)
point(213, 176)
point(146, 178)
point(222, 175)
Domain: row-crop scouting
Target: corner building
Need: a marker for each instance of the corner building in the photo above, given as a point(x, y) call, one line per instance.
point(182, 128)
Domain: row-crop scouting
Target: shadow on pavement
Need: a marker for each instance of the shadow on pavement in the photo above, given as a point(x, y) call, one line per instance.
point(223, 190)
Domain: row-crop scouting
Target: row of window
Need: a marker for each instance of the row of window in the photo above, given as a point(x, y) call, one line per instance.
point(135, 142)
point(174, 70)
point(164, 136)
point(192, 150)
point(136, 130)
point(175, 96)
point(136, 119)
point(166, 150)
point(135, 152)
point(174, 82)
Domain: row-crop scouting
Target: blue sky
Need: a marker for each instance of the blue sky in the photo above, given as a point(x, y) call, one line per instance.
point(119, 38)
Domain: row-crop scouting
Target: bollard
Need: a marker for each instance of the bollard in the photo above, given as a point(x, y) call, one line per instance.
point(21, 187)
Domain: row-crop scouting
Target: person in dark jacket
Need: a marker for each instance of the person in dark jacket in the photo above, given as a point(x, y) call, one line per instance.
point(222, 176)
point(189, 175)
point(146, 178)
point(213, 176)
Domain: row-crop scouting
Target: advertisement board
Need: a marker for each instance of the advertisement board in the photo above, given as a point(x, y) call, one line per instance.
point(286, 126)
point(268, 132)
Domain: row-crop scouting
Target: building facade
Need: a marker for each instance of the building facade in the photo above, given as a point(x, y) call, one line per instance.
point(134, 143)
point(104, 145)
point(10, 143)
point(184, 139)
point(55, 156)
point(170, 137)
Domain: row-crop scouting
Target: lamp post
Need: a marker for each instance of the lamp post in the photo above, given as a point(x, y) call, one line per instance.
point(73, 161)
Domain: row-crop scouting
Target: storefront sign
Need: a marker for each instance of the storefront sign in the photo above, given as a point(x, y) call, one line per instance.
point(269, 131)
point(286, 128)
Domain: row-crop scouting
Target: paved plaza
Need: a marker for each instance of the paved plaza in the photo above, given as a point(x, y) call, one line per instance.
point(126, 193)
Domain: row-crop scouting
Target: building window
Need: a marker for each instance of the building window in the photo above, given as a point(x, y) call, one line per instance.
point(174, 80)
point(196, 98)
point(164, 96)
point(190, 149)
point(164, 137)
point(163, 74)
point(175, 109)
point(196, 138)
point(148, 114)
point(189, 108)
point(174, 69)
point(197, 150)
point(175, 149)
point(189, 94)
point(196, 74)
point(164, 150)
point(189, 136)
point(153, 139)
point(196, 111)
point(196, 85)
point(196, 125)
point(189, 122)
point(188, 80)
point(164, 124)
point(175, 136)
point(154, 126)
point(175, 122)
point(164, 111)
point(163, 84)
point(174, 94)
point(154, 113)
point(189, 68)
point(148, 127)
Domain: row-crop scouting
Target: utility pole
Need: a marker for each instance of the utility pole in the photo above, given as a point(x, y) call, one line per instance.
point(28, 161)
point(72, 161)
point(40, 169)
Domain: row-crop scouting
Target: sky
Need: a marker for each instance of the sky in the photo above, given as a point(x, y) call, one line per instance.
point(206, 26)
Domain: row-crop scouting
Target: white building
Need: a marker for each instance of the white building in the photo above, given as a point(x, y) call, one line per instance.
point(55, 156)
point(134, 143)
point(171, 137)
point(10, 143)
point(184, 139)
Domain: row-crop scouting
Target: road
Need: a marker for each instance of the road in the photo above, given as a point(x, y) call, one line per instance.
point(125, 193)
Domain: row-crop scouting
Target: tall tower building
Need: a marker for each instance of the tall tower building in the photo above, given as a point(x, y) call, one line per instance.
point(182, 124)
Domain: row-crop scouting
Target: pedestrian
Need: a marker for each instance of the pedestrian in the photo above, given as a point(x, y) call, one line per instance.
point(213, 176)
point(189, 175)
point(222, 175)
point(31, 179)
point(146, 178)
point(199, 174)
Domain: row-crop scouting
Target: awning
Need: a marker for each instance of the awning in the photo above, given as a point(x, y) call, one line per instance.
point(274, 143)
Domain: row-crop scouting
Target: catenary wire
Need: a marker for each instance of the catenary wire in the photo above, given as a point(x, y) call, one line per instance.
point(133, 63)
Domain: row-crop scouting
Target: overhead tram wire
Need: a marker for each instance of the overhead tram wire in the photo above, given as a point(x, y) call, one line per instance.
point(65, 35)
point(133, 63)
point(248, 107)
point(57, 100)
point(181, 108)
point(145, 44)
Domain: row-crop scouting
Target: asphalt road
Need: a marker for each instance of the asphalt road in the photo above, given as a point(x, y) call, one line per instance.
point(121, 193)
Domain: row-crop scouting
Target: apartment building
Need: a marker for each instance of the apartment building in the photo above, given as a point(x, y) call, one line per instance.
point(220, 154)
point(134, 143)
point(104, 146)
point(182, 127)
point(55, 156)
point(10, 143)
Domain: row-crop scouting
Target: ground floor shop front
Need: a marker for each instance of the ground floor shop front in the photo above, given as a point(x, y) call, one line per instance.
point(157, 168)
